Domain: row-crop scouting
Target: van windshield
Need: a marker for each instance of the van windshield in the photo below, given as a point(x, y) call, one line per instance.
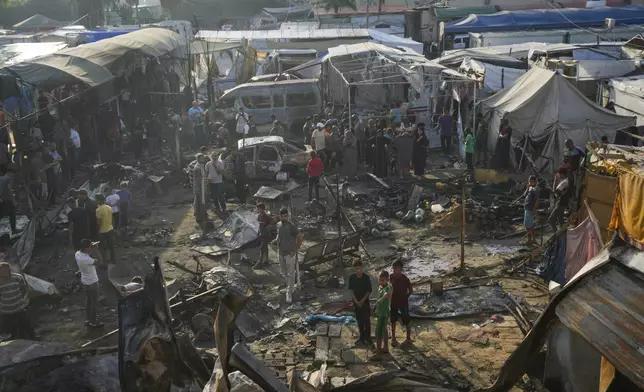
point(301, 99)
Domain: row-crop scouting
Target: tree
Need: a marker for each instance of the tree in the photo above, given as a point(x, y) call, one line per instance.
point(335, 5)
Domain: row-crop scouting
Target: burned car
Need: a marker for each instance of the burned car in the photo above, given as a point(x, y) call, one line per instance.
point(268, 157)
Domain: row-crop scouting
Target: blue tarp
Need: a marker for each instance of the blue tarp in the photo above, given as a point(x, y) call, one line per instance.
point(547, 19)
point(97, 35)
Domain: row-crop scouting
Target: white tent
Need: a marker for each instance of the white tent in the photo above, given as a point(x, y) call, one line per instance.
point(628, 95)
point(542, 107)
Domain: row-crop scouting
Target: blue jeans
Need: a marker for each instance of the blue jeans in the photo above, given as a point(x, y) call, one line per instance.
point(217, 196)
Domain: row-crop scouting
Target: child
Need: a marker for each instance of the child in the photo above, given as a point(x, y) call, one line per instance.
point(264, 234)
point(360, 286)
point(382, 316)
point(401, 290)
point(315, 168)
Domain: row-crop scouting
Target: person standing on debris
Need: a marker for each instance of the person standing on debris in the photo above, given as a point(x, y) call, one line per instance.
point(125, 199)
point(318, 141)
point(105, 227)
point(200, 190)
point(241, 182)
point(420, 150)
point(469, 151)
point(401, 290)
point(8, 206)
point(84, 201)
point(404, 143)
point(307, 129)
point(360, 287)
point(530, 208)
point(14, 299)
point(335, 148)
point(350, 156)
point(563, 193)
point(382, 315)
point(289, 240)
point(361, 135)
point(445, 121)
point(242, 127)
point(87, 259)
point(214, 170)
point(480, 144)
point(265, 221)
point(114, 201)
point(315, 170)
point(79, 223)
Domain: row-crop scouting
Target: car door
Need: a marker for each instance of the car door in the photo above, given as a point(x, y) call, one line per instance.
point(269, 162)
point(257, 103)
point(301, 103)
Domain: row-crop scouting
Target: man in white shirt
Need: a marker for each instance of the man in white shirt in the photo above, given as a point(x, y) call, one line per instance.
point(318, 141)
point(214, 173)
point(87, 259)
point(114, 201)
point(242, 123)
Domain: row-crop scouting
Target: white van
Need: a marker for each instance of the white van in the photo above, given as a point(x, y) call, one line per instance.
point(291, 101)
point(461, 41)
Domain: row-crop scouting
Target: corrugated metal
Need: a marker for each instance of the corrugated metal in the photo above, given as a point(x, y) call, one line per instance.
point(607, 310)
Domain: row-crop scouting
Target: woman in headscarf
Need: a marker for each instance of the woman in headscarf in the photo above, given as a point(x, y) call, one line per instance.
point(350, 159)
point(420, 150)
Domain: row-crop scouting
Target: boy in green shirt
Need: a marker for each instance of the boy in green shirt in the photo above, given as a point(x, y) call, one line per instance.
point(382, 316)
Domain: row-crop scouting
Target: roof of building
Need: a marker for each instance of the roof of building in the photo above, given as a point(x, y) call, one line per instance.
point(547, 19)
point(362, 10)
point(310, 34)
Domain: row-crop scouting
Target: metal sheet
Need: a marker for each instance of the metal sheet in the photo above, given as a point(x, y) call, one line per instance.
point(607, 310)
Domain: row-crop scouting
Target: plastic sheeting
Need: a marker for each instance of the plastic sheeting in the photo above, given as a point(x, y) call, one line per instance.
point(544, 107)
point(239, 229)
point(546, 19)
point(495, 77)
point(582, 244)
point(628, 95)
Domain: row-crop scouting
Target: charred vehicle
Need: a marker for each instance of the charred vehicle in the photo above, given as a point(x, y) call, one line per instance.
point(268, 157)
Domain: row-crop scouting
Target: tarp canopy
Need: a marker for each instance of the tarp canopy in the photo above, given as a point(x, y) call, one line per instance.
point(547, 19)
point(152, 42)
point(628, 95)
point(16, 53)
point(395, 41)
point(203, 47)
point(544, 108)
point(452, 13)
point(37, 22)
point(97, 63)
point(495, 78)
point(55, 70)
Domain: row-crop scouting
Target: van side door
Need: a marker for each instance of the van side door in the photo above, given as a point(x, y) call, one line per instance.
point(301, 103)
point(257, 103)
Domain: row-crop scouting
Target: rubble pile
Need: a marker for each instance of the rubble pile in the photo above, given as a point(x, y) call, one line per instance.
point(491, 221)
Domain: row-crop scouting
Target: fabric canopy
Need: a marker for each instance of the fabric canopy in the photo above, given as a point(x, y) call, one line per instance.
point(547, 19)
point(628, 96)
point(543, 107)
point(54, 70)
point(628, 214)
point(153, 42)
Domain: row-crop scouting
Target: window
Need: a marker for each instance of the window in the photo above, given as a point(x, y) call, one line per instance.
point(257, 102)
point(226, 103)
point(268, 154)
point(301, 99)
point(278, 100)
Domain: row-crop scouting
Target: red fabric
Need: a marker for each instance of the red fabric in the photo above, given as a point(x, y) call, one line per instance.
point(401, 285)
point(315, 168)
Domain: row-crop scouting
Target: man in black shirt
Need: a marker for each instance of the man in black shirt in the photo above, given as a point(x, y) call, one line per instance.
point(79, 224)
point(360, 286)
point(90, 206)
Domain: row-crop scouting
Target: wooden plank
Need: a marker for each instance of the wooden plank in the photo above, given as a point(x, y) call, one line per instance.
point(606, 375)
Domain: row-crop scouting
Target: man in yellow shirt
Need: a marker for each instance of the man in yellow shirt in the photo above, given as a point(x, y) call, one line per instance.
point(105, 227)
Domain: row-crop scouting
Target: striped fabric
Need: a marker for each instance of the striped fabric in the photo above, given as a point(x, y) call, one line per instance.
point(13, 295)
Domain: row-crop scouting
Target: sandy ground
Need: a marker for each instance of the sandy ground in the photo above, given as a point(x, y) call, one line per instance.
point(453, 351)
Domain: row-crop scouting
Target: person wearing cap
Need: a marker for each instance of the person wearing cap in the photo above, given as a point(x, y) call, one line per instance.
point(200, 190)
point(289, 240)
point(307, 129)
point(14, 300)
point(530, 205)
